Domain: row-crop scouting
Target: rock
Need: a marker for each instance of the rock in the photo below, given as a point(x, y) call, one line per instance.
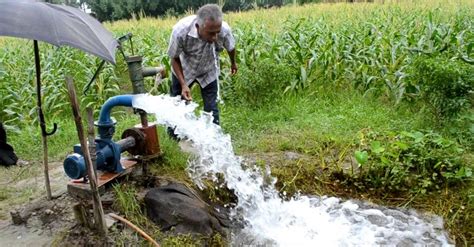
point(292, 155)
point(109, 221)
point(16, 218)
point(175, 206)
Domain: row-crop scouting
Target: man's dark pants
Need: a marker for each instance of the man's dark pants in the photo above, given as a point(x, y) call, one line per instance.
point(209, 97)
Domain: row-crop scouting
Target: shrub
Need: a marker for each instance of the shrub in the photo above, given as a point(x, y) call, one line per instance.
point(445, 85)
point(408, 161)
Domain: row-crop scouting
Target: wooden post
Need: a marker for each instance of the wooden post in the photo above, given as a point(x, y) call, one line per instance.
point(91, 139)
point(98, 210)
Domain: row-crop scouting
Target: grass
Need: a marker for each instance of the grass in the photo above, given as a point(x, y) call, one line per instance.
point(311, 118)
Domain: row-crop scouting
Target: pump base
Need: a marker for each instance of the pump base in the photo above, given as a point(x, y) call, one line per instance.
point(80, 190)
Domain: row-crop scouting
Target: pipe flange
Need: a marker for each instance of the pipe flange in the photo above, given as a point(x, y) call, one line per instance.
point(139, 137)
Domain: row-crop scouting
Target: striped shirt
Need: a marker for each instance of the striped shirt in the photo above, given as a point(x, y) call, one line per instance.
point(199, 58)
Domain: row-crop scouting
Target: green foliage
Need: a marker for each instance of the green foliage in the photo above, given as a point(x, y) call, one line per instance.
point(330, 62)
point(112, 10)
point(298, 50)
point(364, 51)
point(127, 203)
point(408, 161)
point(462, 129)
point(173, 158)
point(445, 85)
point(263, 83)
point(18, 82)
point(362, 157)
point(291, 55)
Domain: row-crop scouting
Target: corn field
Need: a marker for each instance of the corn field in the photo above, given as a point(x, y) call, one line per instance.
point(370, 47)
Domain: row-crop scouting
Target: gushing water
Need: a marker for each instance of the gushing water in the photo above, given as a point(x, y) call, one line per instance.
point(268, 219)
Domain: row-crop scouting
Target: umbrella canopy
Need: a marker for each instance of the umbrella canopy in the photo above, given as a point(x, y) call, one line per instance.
point(58, 25)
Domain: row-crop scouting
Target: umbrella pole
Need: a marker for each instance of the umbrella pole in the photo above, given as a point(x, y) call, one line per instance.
point(41, 120)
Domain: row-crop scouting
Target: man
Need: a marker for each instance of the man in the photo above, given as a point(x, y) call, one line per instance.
point(194, 52)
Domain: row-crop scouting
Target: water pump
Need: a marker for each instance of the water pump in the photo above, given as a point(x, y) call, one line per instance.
point(141, 141)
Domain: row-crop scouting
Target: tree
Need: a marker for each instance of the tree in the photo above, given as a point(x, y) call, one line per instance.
point(112, 10)
point(74, 3)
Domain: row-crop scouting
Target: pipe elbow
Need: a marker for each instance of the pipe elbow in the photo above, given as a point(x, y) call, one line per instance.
point(119, 100)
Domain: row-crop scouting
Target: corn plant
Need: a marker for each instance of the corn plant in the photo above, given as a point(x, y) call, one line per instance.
point(367, 47)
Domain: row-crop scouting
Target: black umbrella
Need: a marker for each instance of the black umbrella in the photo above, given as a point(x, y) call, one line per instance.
point(58, 25)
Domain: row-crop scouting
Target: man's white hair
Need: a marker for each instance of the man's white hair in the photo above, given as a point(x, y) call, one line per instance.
point(208, 12)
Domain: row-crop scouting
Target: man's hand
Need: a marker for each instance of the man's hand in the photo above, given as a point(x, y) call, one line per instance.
point(233, 69)
point(186, 93)
point(233, 64)
point(176, 65)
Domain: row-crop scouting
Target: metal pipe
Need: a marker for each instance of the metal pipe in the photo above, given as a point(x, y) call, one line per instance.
point(151, 71)
point(143, 118)
point(120, 100)
point(135, 71)
point(126, 143)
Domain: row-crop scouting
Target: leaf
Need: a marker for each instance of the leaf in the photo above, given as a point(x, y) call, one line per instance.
point(464, 172)
point(468, 172)
point(303, 76)
point(418, 136)
point(376, 147)
point(361, 156)
point(9, 112)
point(402, 145)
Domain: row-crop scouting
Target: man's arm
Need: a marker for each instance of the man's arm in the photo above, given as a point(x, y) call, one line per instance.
point(229, 44)
point(178, 70)
point(233, 64)
point(175, 48)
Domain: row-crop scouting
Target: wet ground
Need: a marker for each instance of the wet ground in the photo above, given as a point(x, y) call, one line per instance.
point(39, 221)
point(46, 223)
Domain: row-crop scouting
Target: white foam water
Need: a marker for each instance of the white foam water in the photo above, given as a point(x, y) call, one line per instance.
point(267, 219)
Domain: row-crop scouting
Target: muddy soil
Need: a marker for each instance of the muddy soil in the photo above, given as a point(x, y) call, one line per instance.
point(39, 222)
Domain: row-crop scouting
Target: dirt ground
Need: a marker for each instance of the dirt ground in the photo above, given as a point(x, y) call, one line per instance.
point(40, 221)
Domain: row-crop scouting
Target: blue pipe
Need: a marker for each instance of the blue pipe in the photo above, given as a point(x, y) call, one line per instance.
point(119, 100)
point(105, 125)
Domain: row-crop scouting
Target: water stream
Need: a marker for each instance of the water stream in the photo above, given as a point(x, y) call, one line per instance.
point(271, 221)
